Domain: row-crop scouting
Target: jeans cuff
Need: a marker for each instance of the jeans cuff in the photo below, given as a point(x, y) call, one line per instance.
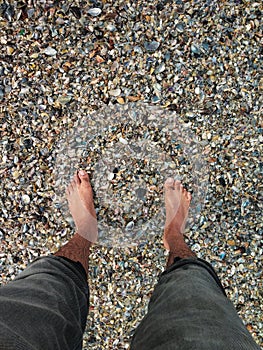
point(179, 262)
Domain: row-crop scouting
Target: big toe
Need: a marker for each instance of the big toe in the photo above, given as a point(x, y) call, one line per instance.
point(71, 187)
point(169, 183)
point(178, 185)
point(84, 177)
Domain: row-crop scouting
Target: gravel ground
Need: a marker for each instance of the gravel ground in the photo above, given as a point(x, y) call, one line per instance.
point(62, 61)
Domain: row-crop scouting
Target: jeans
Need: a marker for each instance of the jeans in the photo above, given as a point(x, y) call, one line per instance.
point(46, 307)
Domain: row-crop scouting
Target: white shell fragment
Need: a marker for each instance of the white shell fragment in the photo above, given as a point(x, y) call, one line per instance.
point(122, 140)
point(95, 11)
point(115, 92)
point(49, 51)
point(111, 176)
point(63, 100)
point(26, 199)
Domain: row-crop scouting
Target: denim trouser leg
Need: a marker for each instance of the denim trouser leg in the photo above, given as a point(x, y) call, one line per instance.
point(189, 310)
point(45, 307)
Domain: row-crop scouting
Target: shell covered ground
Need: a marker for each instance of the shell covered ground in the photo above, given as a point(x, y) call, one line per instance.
point(61, 62)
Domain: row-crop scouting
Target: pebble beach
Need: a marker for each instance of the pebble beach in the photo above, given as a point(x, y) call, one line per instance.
point(63, 62)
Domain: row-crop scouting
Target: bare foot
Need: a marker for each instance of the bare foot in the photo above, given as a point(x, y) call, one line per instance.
point(177, 202)
point(81, 205)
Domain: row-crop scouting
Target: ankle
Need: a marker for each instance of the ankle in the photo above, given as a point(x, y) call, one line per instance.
point(172, 237)
point(77, 249)
point(180, 253)
point(173, 229)
point(175, 243)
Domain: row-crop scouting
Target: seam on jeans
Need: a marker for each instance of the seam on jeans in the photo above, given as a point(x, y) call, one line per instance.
point(199, 262)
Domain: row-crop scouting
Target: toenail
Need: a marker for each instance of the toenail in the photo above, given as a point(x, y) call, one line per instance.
point(170, 180)
point(82, 173)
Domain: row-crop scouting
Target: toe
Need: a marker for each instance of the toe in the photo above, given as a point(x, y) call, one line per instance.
point(169, 183)
point(178, 185)
point(73, 183)
point(84, 177)
point(76, 178)
point(70, 189)
point(188, 196)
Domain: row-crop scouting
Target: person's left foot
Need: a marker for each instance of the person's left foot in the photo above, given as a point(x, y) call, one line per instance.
point(81, 205)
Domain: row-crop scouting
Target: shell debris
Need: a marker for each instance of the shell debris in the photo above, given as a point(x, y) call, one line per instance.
point(200, 59)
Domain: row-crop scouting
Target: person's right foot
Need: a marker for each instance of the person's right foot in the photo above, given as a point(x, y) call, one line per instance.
point(177, 202)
